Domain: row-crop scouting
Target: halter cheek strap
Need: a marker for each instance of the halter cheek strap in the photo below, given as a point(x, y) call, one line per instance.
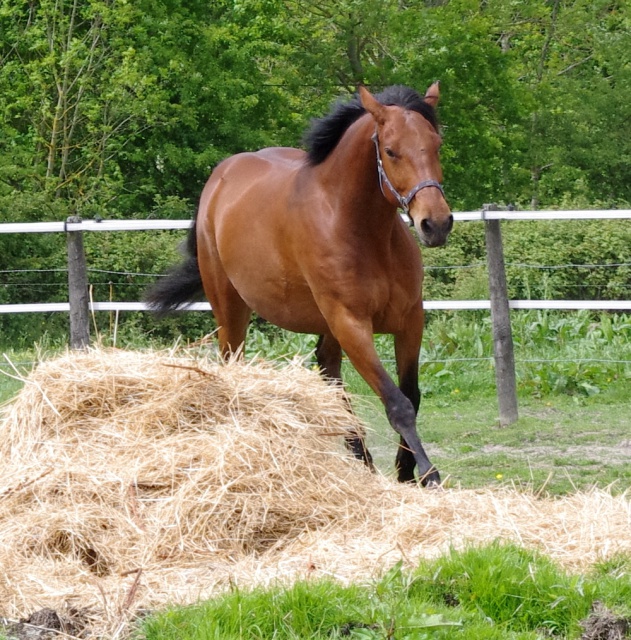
point(404, 201)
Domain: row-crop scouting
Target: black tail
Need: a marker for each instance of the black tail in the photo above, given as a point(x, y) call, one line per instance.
point(181, 285)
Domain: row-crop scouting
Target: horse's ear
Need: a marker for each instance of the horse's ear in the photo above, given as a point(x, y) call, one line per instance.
point(432, 95)
point(372, 105)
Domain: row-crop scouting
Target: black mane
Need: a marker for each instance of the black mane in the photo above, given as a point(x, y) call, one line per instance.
point(326, 132)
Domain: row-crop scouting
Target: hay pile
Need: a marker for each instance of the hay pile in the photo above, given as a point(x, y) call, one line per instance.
point(129, 480)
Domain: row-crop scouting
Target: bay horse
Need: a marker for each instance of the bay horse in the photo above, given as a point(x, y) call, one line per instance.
point(312, 242)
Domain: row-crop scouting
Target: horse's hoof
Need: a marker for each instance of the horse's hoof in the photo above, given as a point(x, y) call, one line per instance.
point(431, 480)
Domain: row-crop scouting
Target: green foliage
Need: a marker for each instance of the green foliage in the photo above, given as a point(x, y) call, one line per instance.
point(482, 106)
point(565, 55)
point(577, 244)
point(545, 259)
point(584, 354)
point(113, 262)
point(267, 341)
point(71, 96)
point(106, 107)
point(123, 110)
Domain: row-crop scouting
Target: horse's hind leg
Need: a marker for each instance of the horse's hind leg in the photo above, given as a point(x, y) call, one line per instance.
point(232, 323)
point(329, 357)
point(232, 314)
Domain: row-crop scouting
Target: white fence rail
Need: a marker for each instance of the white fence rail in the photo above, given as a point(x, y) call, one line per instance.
point(482, 215)
point(429, 305)
point(148, 225)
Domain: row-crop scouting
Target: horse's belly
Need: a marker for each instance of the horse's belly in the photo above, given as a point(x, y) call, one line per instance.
point(288, 305)
point(296, 319)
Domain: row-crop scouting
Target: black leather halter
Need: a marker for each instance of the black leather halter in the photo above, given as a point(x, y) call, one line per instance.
point(404, 201)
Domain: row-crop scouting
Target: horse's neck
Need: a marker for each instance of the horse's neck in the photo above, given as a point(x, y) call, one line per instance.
point(351, 172)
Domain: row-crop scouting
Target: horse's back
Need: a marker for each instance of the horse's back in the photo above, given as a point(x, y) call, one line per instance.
point(250, 189)
point(285, 156)
point(251, 166)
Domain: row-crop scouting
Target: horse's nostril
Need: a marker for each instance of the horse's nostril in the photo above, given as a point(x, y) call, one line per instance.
point(450, 223)
point(426, 226)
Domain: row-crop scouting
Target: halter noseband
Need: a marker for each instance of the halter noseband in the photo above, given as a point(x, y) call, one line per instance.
point(404, 201)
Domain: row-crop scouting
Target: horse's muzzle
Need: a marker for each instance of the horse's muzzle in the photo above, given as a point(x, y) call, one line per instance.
point(432, 233)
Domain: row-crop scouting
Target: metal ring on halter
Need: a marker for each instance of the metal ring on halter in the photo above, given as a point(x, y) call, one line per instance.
point(404, 201)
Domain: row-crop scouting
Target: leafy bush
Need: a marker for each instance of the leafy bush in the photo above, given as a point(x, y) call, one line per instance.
point(549, 259)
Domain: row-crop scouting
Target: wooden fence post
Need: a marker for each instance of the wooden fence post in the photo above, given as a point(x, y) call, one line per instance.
point(77, 289)
point(500, 318)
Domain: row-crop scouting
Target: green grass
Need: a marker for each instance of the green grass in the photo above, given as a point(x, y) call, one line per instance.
point(12, 368)
point(559, 443)
point(490, 593)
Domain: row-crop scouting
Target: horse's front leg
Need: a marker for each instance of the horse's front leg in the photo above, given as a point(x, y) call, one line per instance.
point(329, 357)
point(356, 338)
point(407, 345)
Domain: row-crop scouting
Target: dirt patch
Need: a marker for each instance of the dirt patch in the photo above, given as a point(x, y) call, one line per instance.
point(603, 624)
point(617, 455)
point(45, 624)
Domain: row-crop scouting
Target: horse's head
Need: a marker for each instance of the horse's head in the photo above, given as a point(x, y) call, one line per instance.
point(409, 166)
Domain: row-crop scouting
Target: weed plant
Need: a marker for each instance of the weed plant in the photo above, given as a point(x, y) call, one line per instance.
point(573, 353)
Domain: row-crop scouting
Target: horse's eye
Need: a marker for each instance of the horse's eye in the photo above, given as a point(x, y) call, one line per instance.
point(390, 153)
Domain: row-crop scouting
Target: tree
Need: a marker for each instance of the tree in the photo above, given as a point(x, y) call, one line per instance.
point(570, 58)
point(73, 94)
